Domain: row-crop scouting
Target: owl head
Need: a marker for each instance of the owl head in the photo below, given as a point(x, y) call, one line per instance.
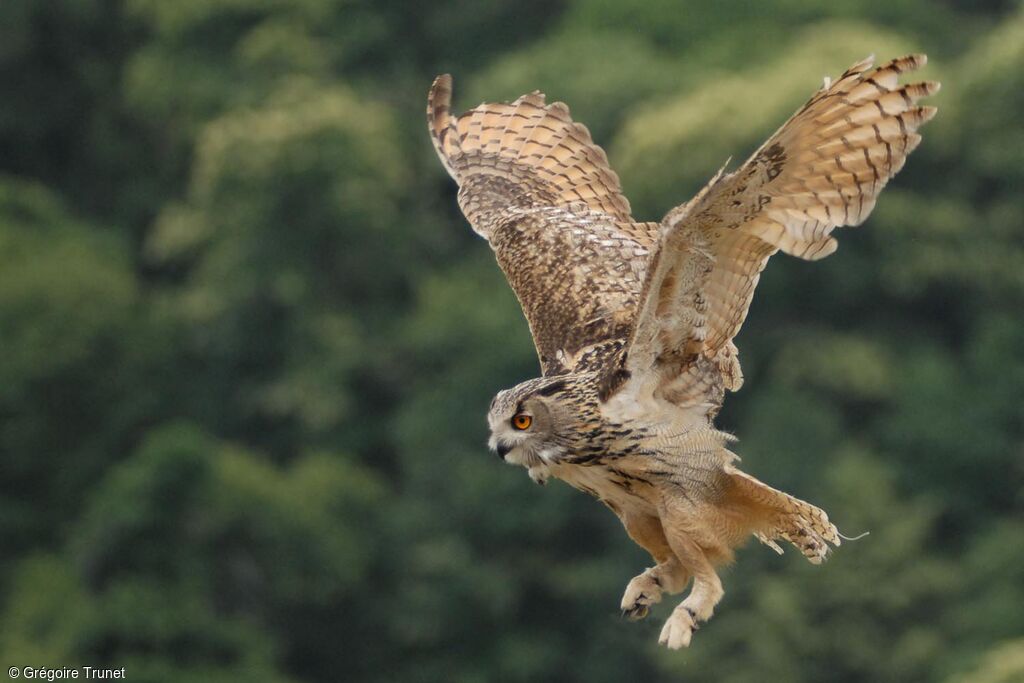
point(531, 422)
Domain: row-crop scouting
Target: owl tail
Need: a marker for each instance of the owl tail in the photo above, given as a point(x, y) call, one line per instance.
point(777, 515)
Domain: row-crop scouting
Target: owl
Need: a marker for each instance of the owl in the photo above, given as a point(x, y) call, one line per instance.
point(634, 322)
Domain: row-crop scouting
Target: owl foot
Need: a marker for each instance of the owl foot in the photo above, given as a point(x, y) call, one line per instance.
point(678, 628)
point(642, 592)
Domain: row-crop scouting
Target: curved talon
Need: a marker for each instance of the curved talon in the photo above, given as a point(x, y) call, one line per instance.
point(636, 613)
point(693, 616)
point(642, 592)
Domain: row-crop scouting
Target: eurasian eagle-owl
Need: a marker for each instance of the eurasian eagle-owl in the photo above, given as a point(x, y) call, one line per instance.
point(633, 322)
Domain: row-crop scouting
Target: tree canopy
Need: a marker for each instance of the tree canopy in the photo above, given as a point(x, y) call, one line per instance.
point(249, 344)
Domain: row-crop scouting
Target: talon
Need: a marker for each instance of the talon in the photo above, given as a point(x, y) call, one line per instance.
point(635, 613)
point(642, 592)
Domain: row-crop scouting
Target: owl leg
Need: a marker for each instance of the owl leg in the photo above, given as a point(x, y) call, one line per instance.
point(667, 575)
point(704, 595)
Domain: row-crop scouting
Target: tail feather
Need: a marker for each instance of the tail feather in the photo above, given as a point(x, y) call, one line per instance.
point(781, 516)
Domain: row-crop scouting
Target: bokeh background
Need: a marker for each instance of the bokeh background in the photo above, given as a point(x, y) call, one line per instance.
point(247, 344)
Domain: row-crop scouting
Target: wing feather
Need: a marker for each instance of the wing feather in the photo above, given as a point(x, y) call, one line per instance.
point(532, 181)
point(822, 169)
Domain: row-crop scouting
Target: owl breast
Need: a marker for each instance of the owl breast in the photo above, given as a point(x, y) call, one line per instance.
point(617, 489)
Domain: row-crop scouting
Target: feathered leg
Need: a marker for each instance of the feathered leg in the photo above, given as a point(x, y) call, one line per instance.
point(695, 551)
point(668, 575)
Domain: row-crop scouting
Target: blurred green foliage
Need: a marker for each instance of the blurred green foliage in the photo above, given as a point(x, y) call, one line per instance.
point(248, 345)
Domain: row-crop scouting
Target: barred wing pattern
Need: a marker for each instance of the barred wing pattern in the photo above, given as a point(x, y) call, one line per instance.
point(533, 183)
point(822, 169)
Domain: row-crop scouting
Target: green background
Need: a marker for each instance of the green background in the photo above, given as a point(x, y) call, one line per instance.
point(247, 345)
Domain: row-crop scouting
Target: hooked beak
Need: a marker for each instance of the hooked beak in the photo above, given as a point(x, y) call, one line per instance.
point(503, 449)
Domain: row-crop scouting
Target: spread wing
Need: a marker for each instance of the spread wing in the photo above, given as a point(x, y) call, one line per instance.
point(822, 169)
point(533, 183)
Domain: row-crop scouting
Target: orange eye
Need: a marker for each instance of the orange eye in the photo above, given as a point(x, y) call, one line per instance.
point(522, 421)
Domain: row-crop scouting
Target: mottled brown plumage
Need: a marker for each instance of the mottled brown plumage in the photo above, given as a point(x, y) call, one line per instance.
point(633, 322)
point(533, 184)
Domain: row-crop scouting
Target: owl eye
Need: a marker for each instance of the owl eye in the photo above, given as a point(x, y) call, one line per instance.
point(522, 421)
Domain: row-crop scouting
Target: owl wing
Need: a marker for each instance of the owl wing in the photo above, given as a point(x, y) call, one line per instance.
point(822, 169)
point(534, 184)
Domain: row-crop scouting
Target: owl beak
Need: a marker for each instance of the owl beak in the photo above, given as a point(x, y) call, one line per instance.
point(503, 449)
